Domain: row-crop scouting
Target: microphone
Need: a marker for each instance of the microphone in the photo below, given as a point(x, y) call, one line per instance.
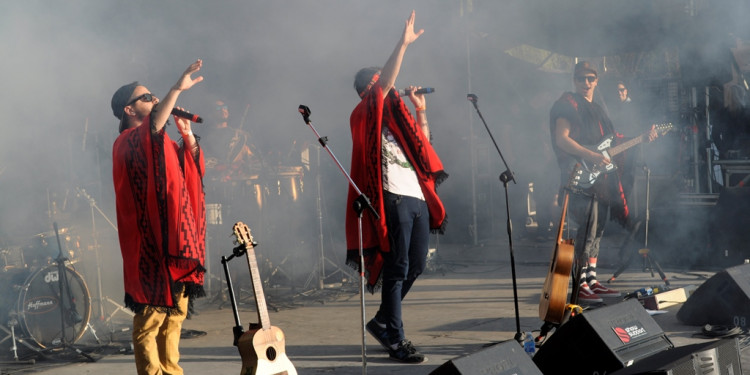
point(423, 90)
point(187, 115)
point(472, 98)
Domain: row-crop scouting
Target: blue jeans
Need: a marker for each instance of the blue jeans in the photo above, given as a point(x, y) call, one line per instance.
point(408, 222)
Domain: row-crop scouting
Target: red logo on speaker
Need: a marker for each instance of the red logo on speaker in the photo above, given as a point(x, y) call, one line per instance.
point(622, 334)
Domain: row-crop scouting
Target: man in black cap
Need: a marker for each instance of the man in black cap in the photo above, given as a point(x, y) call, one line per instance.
point(576, 120)
point(160, 218)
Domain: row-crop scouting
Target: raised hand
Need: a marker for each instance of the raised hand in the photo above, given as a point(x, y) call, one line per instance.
point(409, 35)
point(186, 81)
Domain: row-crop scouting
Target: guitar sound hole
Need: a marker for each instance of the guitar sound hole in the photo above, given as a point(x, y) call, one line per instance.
point(271, 353)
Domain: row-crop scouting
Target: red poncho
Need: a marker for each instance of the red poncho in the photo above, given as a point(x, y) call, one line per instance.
point(161, 216)
point(366, 121)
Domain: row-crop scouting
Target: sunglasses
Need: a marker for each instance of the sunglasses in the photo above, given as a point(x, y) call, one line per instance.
point(591, 79)
point(145, 97)
point(221, 107)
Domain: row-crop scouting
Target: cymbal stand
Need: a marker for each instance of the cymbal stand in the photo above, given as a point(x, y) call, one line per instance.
point(95, 237)
point(320, 267)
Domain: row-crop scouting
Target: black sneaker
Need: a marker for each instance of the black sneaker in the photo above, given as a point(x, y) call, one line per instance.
point(405, 352)
point(379, 332)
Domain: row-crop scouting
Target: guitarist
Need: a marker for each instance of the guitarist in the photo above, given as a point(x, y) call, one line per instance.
point(575, 120)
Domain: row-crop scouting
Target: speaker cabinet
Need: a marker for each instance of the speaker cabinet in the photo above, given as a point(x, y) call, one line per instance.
point(728, 226)
point(720, 300)
point(602, 341)
point(721, 357)
point(507, 358)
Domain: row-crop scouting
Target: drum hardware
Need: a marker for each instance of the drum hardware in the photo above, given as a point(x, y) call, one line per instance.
point(69, 313)
point(101, 298)
point(320, 268)
point(11, 334)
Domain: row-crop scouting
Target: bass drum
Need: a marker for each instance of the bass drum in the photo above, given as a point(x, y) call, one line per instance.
point(39, 306)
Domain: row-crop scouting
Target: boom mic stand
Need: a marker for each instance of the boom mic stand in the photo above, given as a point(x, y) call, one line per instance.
point(505, 177)
point(360, 204)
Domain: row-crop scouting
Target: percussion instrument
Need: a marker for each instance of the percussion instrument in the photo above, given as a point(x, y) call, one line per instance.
point(37, 304)
point(45, 250)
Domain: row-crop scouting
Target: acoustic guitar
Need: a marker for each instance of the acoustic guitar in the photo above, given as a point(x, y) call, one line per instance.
point(555, 290)
point(262, 346)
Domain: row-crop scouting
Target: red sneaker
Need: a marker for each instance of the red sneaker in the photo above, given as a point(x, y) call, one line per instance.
point(585, 294)
point(603, 291)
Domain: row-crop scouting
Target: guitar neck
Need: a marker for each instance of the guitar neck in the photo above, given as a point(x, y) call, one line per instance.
point(627, 144)
point(260, 298)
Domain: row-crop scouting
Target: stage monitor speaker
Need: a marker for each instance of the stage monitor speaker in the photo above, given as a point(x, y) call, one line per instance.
point(718, 357)
point(721, 300)
point(602, 341)
point(507, 358)
point(727, 226)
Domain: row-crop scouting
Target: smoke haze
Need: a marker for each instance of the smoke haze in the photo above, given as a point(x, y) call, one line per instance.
point(62, 61)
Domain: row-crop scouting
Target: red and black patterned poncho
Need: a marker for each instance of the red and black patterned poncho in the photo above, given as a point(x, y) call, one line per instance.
point(366, 124)
point(161, 217)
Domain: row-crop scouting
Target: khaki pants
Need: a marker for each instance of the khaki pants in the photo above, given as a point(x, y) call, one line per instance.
point(156, 340)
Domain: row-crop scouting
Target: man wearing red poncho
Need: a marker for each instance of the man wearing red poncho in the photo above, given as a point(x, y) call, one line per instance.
point(396, 168)
point(160, 219)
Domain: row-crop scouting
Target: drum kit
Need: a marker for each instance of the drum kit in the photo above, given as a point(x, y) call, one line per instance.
point(45, 303)
point(43, 294)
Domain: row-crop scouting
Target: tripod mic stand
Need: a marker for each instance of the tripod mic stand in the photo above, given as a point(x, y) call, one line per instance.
point(68, 312)
point(360, 204)
point(648, 260)
point(505, 177)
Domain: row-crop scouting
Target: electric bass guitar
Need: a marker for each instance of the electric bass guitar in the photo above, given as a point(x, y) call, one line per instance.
point(555, 290)
point(262, 346)
point(586, 175)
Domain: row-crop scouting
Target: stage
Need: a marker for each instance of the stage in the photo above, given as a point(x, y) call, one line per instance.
point(464, 302)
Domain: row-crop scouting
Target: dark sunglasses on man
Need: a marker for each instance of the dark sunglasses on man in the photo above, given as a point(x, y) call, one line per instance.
point(591, 79)
point(145, 97)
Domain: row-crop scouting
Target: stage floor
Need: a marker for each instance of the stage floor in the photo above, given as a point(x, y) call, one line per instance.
point(462, 303)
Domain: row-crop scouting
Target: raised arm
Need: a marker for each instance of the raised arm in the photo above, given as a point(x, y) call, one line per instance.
point(164, 109)
point(393, 65)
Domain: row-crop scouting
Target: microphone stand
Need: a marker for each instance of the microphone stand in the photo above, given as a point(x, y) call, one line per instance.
point(505, 177)
point(360, 204)
point(68, 312)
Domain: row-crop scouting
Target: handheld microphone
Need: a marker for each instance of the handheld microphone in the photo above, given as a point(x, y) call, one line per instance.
point(187, 115)
point(423, 90)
